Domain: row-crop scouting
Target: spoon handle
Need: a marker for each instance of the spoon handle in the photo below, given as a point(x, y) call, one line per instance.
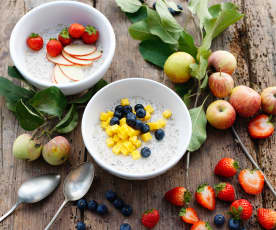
point(11, 211)
point(56, 215)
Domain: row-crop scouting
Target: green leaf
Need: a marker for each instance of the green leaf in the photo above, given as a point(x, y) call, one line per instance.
point(140, 31)
point(200, 8)
point(13, 72)
point(67, 118)
point(182, 212)
point(50, 101)
point(187, 99)
point(186, 44)
point(199, 70)
point(28, 118)
point(69, 125)
point(138, 15)
point(173, 5)
point(155, 51)
point(204, 82)
point(129, 6)
point(184, 88)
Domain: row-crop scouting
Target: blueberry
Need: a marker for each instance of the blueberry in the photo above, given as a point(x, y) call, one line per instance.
point(131, 119)
point(110, 195)
point(139, 124)
point(219, 220)
point(126, 210)
point(127, 109)
point(118, 114)
point(92, 205)
point(82, 204)
point(119, 108)
point(118, 203)
point(172, 11)
point(145, 152)
point(234, 224)
point(125, 227)
point(80, 226)
point(179, 7)
point(138, 106)
point(159, 134)
point(102, 209)
point(141, 113)
point(154, 5)
point(145, 128)
point(114, 121)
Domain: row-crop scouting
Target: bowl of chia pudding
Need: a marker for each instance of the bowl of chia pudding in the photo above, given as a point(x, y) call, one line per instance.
point(48, 20)
point(120, 146)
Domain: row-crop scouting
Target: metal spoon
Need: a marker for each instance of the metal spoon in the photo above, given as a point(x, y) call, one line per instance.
point(34, 190)
point(76, 185)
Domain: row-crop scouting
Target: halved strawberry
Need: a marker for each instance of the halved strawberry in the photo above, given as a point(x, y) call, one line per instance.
point(178, 196)
point(188, 215)
point(241, 209)
point(226, 167)
point(225, 192)
point(205, 196)
point(252, 181)
point(260, 127)
point(267, 218)
point(201, 225)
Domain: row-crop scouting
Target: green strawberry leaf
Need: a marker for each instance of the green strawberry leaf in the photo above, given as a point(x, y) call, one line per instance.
point(187, 197)
point(208, 226)
point(201, 188)
point(182, 212)
point(219, 187)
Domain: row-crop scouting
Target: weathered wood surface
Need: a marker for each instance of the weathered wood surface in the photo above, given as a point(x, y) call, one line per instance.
point(252, 40)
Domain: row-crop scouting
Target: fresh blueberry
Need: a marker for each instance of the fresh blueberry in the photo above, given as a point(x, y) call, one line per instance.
point(102, 209)
point(145, 128)
point(172, 11)
point(118, 114)
point(154, 5)
point(119, 108)
point(125, 227)
point(92, 205)
point(139, 124)
point(145, 152)
point(80, 226)
point(141, 113)
point(114, 121)
point(126, 210)
point(234, 224)
point(110, 195)
point(118, 203)
point(127, 109)
point(82, 204)
point(159, 134)
point(219, 220)
point(138, 106)
point(131, 119)
point(179, 7)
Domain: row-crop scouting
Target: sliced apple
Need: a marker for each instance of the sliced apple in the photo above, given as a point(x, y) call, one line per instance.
point(53, 78)
point(92, 57)
point(76, 61)
point(60, 77)
point(60, 60)
point(79, 49)
point(75, 72)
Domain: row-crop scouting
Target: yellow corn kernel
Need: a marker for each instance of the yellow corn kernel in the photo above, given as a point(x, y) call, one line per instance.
point(110, 142)
point(133, 139)
point(104, 124)
point(149, 109)
point(129, 146)
point(167, 114)
point(103, 116)
point(114, 128)
point(147, 117)
point(146, 137)
point(110, 114)
point(123, 121)
point(124, 150)
point(162, 123)
point(116, 138)
point(138, 143)
point(124, 101)
point(122, 136)
point(136, 155)
point(108, 131)
point(153, 125)
point(117, 148)
point(131, 132)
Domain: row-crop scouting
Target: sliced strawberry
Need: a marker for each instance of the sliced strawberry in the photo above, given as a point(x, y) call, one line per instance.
point(267, 218)
point(178, 196)
point(205, 196)
point(201, 225)
point(150, 218)
point(188, 215)
point(252, 181)
point(241, 209)
point(260, 127)
point(226, 167)
point(225, 192)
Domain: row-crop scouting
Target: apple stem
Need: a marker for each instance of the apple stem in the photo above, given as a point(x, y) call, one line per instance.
point(39, 128)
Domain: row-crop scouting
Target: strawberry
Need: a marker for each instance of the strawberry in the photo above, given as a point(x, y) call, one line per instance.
point(205, 196)
point(267, 218)
point(76, 30)
point(188, 215)
point(241, 209)
point(54, 47)
point(150, 218)
point(90, 35)
point(64, 37)
point(252, 181)
point(201, 225)
point(225, 192)
point(35, 41)
point(260, 127)
point(226, 167)
point(178, 196)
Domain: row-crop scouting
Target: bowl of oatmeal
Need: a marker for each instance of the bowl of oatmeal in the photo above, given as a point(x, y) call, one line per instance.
point(164, 108)
point(48, 20)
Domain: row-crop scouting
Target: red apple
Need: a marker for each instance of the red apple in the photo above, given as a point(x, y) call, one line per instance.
point(223, 61)
point(245, 100)
point(269, 100)
point(221, 84)
point(221, 114)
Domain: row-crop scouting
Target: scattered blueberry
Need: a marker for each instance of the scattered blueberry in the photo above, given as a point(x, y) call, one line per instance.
point(138, 106)
point(118, 114)
point(139, 124)
point(159, 134)
point(114, 121)
point(125, 227)
point(82, 204)
point(145, 152)
point(172, 11)
point(80, 226)
point(154, 5)
point(127, 109)
point(92, 205)
point(118, 203)
point(126, 210)
point(110, 195)
point(131, 119)
point(119, 108)
point(145, 128)
point(102, 209)
point(179, 7)
point(219, 220)
point(141, 113)
point(234, 224)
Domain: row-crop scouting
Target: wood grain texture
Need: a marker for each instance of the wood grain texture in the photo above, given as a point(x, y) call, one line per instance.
point(252, 41)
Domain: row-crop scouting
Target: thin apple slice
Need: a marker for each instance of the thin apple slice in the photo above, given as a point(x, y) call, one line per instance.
point(92, 57)
point(76, 61)
point(60, 78)
point(79, 49)
point(53, 78)
point(60, 60)
point(75, 72)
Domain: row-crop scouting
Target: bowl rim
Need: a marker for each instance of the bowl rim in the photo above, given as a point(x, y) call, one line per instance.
point(105, 65)
point(125, 175)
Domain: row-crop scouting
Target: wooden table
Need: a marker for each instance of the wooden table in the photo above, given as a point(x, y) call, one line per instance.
point(252, 40)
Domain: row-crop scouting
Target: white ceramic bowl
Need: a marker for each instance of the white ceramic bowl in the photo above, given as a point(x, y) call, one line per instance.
point(62, 12)
point(133, 87)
